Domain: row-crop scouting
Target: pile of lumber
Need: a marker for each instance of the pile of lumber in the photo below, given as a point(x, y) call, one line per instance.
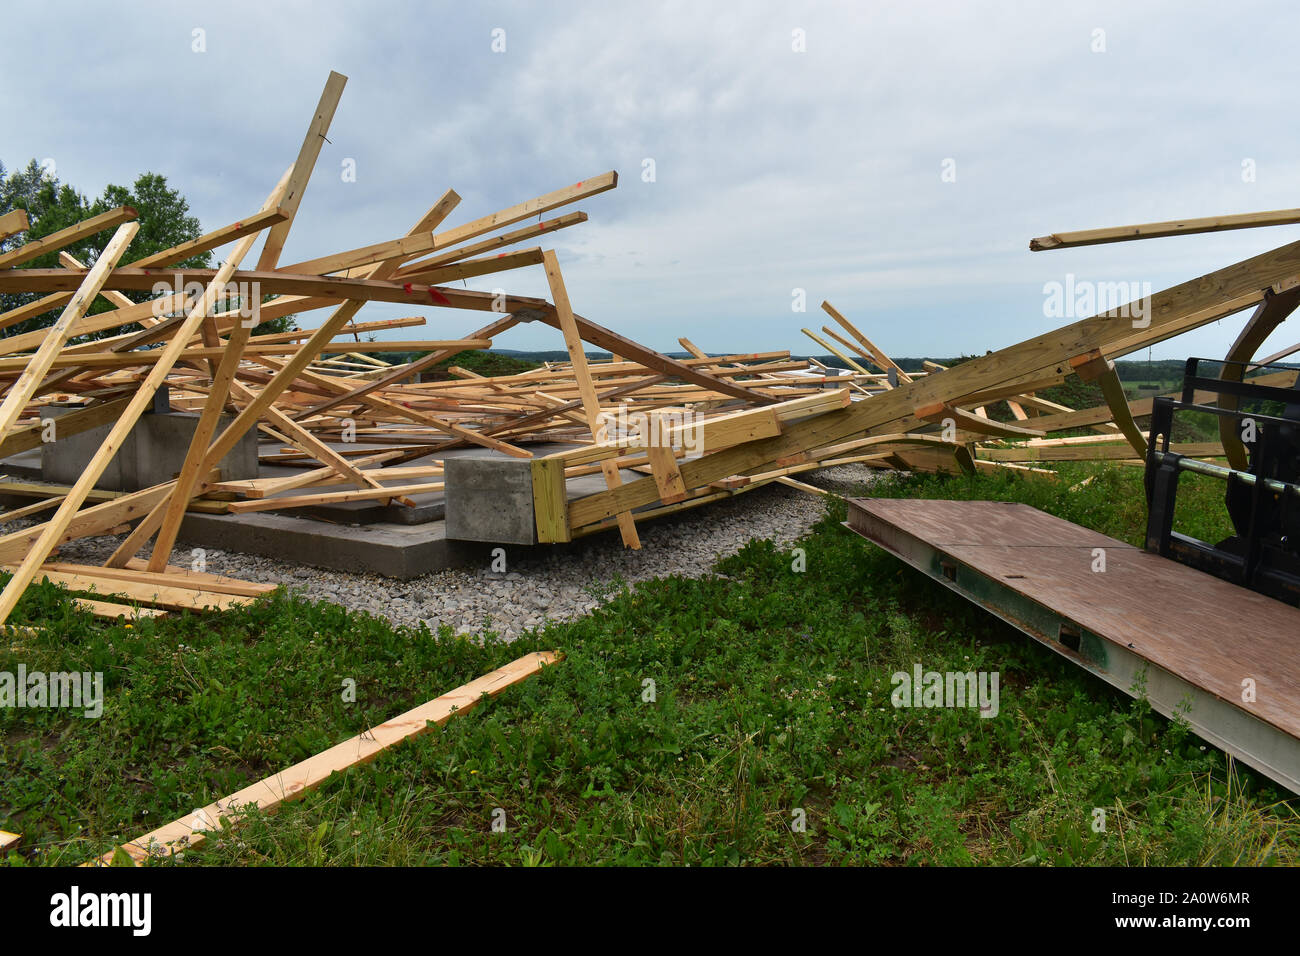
point(708, 426)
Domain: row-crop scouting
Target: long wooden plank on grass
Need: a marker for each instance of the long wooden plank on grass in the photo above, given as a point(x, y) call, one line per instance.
point(56, 336)
point(304, 777)
point(1176, 227)
point(172, 576)
point(590, 401)
point(163, 595)
point(66, 237)
point(113, 610)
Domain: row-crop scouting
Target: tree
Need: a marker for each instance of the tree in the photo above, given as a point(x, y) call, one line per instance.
point(164, 220)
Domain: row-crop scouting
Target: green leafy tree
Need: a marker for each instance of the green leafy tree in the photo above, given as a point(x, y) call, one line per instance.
point(165, 221)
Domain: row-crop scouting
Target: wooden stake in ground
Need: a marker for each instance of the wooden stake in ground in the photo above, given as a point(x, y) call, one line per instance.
point(590, 403)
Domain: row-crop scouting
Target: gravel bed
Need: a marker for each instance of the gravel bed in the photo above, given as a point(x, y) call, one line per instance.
point(544, 584)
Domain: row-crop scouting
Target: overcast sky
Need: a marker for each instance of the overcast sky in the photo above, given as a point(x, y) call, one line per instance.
point(775, 169)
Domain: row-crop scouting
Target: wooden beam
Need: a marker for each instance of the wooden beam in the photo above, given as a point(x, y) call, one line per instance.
point(590, 401)
point(415, 269)
point(1176, 227)
point(298, 363)
point(72, 423)
point(13, 222)
point(302, 168)
point(402, 372)
point(143, 397)
point(333, 497)
point(883, 361)
point(1272, 312)
point(834, 351)
point(114, 509)
point(411, 245)
point(300, 779)
point(189, 474)
point(550, 500)
point(56, 336)
point(939, 412)
point(66, 237)
point(1095, 367)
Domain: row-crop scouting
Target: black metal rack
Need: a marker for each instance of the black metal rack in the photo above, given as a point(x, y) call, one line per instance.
point(1263, 502)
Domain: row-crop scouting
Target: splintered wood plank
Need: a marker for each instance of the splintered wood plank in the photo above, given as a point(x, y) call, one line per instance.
point(304, 777)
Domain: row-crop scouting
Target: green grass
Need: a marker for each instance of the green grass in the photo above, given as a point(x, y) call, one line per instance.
point(771, 701)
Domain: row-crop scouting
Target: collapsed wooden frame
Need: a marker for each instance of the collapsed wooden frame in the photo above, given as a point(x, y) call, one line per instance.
point(707, 426)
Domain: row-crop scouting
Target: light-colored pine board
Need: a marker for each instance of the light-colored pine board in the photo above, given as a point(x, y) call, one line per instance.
point(302, 778)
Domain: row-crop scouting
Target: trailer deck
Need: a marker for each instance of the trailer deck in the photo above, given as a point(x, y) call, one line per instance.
point(1223, 657)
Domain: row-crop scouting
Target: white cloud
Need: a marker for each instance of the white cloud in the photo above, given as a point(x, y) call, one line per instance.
point(775, 169)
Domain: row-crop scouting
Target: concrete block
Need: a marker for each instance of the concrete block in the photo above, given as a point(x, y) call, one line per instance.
point(153, 452)
point(64, 459)
point(490, 500)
